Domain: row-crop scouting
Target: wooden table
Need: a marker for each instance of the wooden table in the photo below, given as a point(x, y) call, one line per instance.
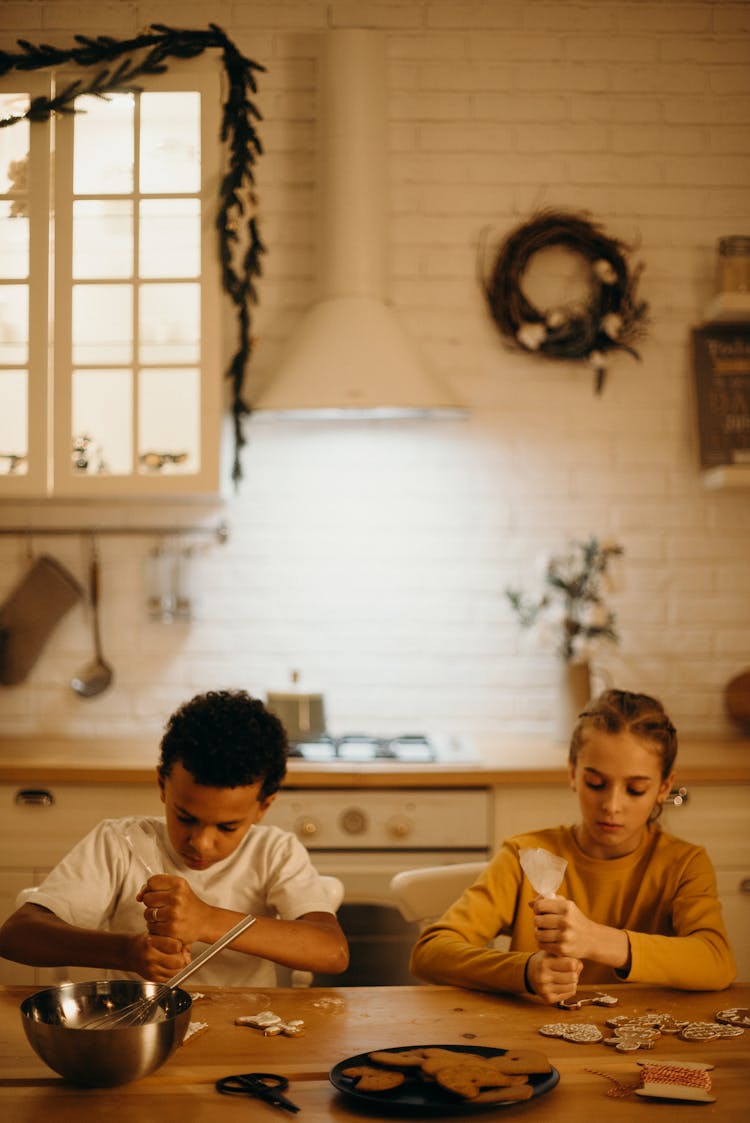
point(341, 1022)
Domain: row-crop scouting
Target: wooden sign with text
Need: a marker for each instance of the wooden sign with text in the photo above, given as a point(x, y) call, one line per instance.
point(721, 365)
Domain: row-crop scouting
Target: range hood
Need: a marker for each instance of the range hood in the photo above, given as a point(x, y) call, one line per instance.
point(350, 356)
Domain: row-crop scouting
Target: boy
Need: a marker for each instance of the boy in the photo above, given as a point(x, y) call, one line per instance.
point(210, 862)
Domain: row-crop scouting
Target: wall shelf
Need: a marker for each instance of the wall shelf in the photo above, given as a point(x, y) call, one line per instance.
point(220, 531)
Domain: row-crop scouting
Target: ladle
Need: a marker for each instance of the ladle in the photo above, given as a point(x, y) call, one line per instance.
point(96, 675)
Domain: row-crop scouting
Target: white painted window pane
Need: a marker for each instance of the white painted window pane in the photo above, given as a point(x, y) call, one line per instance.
point(102, 324)
point(103, 145)
point(14, 241)
point(169, 421)
point(170, 235)
point(102, 422)
point(14, 144)
point(169, 323)
point(102, 238)
point(170, 152)
point(14, 324)
point(14, 422)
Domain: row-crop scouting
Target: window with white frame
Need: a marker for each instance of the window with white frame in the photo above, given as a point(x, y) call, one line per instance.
point(109, 283)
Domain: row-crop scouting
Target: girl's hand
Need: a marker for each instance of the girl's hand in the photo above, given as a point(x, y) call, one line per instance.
point(156, 958)
point(171, 908)
point(553, 977)
point(562, 929)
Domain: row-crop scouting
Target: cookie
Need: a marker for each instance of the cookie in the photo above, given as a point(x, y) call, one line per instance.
point(584, 1033)
point(526, 1061)
point(439, 1058)
point(736, 1016)
point(371, 1079)
point(404, 1058)
point(522, 1091)
point(467, 1077)
point(701, 1031)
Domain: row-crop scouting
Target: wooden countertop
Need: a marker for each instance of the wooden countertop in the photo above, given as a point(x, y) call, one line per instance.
point(343, 1022)
point(519, 759)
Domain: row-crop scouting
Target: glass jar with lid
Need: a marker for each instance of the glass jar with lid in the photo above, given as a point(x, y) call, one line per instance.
point(733, 271)
point(732, 289)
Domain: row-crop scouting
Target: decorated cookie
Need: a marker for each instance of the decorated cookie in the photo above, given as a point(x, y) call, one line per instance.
point(709, 1031)
point(579, 1032)
point(736, 1016)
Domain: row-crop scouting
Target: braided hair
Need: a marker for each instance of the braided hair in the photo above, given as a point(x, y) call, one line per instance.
point(621, 711)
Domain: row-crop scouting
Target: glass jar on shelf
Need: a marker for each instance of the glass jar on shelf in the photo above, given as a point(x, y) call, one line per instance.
point(731, 301)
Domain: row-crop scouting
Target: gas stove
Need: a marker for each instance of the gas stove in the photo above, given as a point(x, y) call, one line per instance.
point(406, 748)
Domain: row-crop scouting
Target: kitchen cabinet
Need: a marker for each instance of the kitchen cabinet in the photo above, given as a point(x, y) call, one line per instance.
point(714, 815)
point(36, 833)
point(717, 816)
point(38, 825)
point(110, 379)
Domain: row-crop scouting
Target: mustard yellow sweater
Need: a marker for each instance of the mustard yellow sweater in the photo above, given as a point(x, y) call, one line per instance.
point(663, 895)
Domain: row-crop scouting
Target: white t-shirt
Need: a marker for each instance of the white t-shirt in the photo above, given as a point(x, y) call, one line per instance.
point(269, 874)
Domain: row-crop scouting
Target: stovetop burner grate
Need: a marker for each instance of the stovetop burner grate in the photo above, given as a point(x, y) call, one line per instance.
point(412, 748)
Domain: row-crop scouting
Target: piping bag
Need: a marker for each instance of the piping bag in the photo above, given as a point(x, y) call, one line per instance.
point(545, 872)
point(543, 869)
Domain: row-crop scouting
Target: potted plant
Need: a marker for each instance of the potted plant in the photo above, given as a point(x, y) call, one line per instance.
point(572, 616)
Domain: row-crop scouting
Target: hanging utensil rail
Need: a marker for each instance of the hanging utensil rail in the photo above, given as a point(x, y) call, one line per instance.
point(220, 531)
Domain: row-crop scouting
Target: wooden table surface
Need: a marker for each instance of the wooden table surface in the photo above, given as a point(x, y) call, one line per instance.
point(341, 1022)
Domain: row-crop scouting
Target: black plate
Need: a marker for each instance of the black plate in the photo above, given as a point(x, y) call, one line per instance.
point(417, 1098)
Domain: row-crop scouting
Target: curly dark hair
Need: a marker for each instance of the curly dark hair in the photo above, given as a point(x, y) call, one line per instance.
point(618, 711)
point(226, 739)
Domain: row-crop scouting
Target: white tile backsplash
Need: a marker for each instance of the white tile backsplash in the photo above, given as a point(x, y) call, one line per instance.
point(373, 558)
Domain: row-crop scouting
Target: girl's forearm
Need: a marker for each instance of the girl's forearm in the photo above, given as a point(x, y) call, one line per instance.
point(612, 947)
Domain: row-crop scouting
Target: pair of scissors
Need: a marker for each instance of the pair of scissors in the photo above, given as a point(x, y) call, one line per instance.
point(266, 1086)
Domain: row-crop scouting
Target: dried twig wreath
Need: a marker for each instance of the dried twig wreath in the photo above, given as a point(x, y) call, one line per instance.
point(612, 319)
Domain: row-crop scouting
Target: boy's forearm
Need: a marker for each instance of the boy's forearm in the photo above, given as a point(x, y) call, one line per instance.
point(312, 945)
point(47, 941)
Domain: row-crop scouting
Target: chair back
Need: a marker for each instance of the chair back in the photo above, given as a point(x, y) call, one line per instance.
point(285, 977)
point(422, 895)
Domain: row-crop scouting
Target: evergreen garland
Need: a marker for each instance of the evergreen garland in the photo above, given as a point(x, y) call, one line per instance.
point(238, 132)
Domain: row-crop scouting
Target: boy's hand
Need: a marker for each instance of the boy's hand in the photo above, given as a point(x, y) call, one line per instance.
point(553, 977)
point(157, 958)
point(171, 908)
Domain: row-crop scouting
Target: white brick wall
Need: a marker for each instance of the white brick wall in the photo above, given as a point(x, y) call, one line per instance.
point(374, 559)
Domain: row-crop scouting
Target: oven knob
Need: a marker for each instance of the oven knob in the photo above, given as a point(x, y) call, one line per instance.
point(353, 821)
point(306, 828)
point(399, 826)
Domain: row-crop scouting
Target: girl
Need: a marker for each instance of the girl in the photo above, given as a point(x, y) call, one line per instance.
point(635, 904)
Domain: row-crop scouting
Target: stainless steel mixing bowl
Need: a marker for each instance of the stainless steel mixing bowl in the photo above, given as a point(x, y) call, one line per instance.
point(102, 1058)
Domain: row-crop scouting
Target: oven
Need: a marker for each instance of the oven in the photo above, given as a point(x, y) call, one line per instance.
point(364, 835)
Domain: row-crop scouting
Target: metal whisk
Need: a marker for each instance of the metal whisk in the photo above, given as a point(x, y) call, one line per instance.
point(140, 1011)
